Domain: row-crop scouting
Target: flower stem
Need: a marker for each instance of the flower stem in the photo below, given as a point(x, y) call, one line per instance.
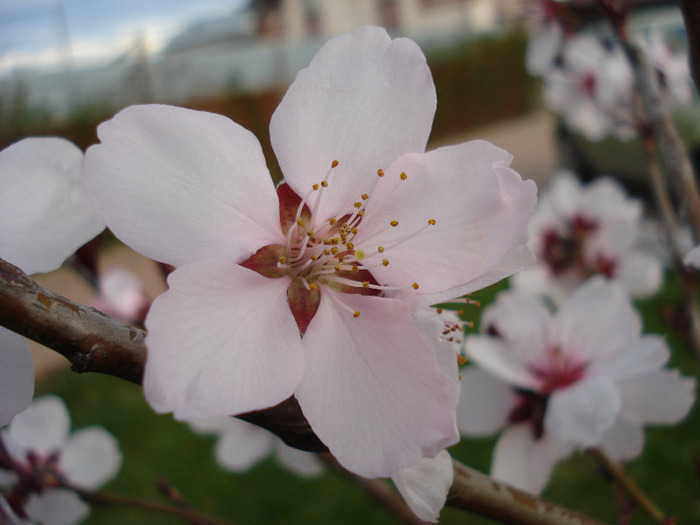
point(616, 471)
point(189, 515)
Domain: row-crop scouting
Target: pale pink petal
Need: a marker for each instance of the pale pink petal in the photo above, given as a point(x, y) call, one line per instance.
point(492, 355)
point(484, 404)
point(364, 100)
point(91, 458)
point(523, 322)
point(692, 258)
point(581, 414)
point(424, 486)
point(42, 428)
point(623, 441)
point(373, 391)
point(480, 206)
point(56, 507)
point(543, 48)
point(222, 340)
point(179, 185)
point(641, 274)
point(302, 463)
point(660, 397)
point(45, 213)
point(16, 375)
point(597, 321)
point(121, 294)
point(524, 462)
point(210, 425)
point(646, 354)
point(242, 445)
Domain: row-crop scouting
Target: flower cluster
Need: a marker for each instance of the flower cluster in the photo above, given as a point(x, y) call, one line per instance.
point(557, 385)
point(578, 231)
point(41, 464)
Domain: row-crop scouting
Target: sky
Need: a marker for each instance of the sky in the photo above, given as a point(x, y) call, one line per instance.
point(52, 33)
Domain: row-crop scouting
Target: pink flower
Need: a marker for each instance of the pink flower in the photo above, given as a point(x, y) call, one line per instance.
point(582, 230)
point(583, 377)
point(121, 295)
point(43, 459)
point(366, 229)
point(44, 218)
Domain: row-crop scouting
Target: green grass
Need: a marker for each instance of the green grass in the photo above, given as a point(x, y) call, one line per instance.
point(157, 447)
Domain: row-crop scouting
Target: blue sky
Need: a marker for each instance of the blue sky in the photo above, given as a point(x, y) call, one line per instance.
point(34, 32)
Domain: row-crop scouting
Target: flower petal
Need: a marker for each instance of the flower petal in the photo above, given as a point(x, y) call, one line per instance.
point(42, 428)
point(373, 391)
point(211, 351)
point(601, 305)
point(424, 486)
point(302, 463)
point(91, 458)
point(242, 445)
point(484, 404)
point(480, 206)
point(45, 213)
point(646, 354)
point(524, 462)
point(623, 441)
point(641, 273)
point(659, 397)
point(16, 375)
point(492, 355)
point(583, 412)
point(56, 507)
point(179, 185)
point(364, 100)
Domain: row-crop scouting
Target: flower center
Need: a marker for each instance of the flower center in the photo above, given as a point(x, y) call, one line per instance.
point(324, 251)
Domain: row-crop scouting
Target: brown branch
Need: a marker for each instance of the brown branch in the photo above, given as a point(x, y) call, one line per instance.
point(691, 16)
point(94, 342)
point(616, 472)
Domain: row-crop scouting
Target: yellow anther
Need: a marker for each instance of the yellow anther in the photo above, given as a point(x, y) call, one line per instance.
point(359, 254)
point(355, 268)
point(310, 233)
point(337, 267)
point(431, 222)
point(282, 260)
point(313, 287)
point(354, 231)
point(438, 310)
point(314, 257)
point(365, 284)
point(380, 249)
point(300, 222)
point(394, 223)
point(356, 314)
point(361, 213)
point(461, 360)
point(350, 246)
point(315, 187)
point(334, 250)
point(332, 221)
point(364, 196)
point(385, 262)
point(334, 164)
point(324, 183)
point(326, 252)
point(358, 205)
point(415, 286)
point(380, 172)
point(403, 175)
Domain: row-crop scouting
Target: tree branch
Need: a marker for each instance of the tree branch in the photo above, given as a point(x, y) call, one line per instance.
point(94, 342)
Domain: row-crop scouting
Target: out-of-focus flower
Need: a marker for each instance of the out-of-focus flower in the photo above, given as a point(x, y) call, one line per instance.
point(121, 295)
point(366, 229)
point(547, 35)
point(591, 88)
point(42, 460)
point(692, 258)
point(240, 446)
point(675, 82)
point(44, 218)
point(583, 377)
point(424, 486)
point(578, 231)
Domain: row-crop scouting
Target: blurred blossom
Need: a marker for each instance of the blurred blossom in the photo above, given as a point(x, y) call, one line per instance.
point(121, 295)
point(578, 231)
point(241, 445)
point(424, 486)
point(692, 258)
point(41, 460)
point(591, 88)
point(366, 230)
point(582, 377)
point(44, 218)
point(547, 35)
point(675, 82)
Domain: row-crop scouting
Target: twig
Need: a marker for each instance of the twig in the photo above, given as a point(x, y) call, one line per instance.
point(94, 342)
point(186, 514)
point(691, 16)
point(620, 476)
